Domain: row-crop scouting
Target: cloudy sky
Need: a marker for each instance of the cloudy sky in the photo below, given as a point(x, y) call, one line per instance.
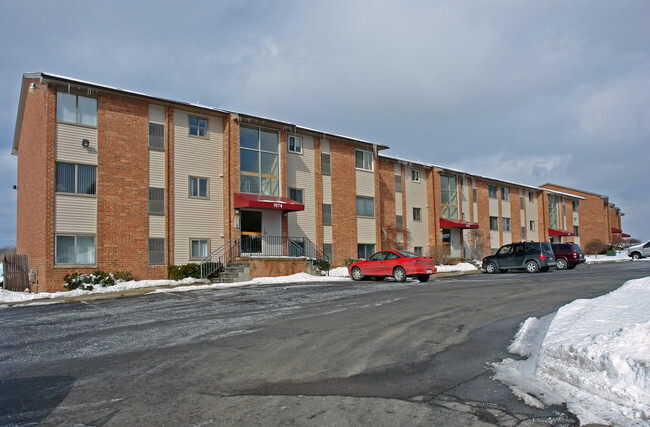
point(528, 91)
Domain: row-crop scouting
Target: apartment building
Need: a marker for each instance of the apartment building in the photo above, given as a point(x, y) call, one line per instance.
point(116, 180)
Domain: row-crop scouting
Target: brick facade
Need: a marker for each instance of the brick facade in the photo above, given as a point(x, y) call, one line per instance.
point(344, 204)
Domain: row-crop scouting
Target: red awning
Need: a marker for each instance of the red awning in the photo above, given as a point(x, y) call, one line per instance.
point(554, 232)
point(457, 223)
point(243, 200)
point(616, 230)
point(625, 235)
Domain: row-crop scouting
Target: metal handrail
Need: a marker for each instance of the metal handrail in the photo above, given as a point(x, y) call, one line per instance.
point(220, 257)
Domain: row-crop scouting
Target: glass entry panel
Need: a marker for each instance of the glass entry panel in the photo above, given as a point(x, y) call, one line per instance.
point(251, 232)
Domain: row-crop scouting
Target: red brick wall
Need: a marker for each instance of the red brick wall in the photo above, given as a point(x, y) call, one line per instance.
point(435, 208)
point(515, 215)
point(344, 204)
point(318, 185)
point(35, 180)
point(483, 208)
point(272, 267)
point(386, 216)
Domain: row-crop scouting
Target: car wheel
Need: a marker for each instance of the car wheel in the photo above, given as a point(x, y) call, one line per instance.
point(561, 264)
point(356, 274)
point(491, 268)
point(532, 267)
point(423, 277)
point(636, 255)
point(379, 278)
point(399, 274)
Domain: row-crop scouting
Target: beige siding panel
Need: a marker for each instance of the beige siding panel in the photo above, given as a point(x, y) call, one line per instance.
point(156, 169)
point(365, 183)
point(494, 239)
point(201, 157)
point(507, 237)
point(75, 214)
point(399, 208)
point(156, 114)
point(68, 144)
point(300, 174)
point(366, 230)
point(505, 209)
point(416, 196)
point(157, 226)
point(464, 191)
point(327, 189)
point(325, 146)
point(327, 234)
point(494, 207)
point(398, 169)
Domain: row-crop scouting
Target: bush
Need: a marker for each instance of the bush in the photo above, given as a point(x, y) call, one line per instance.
point(441, 254)
point(180, 272)
point(349, 261)
point(322, 265)
point(87, 282)
point(596, 247)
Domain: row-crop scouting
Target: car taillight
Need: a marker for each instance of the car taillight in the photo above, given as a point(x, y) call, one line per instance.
point(542, 256)
point(417, 261)
point(575, 255)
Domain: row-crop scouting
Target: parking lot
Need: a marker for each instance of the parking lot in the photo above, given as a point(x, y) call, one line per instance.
point(381, 353)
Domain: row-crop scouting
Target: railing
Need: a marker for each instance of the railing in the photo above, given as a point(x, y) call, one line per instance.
point(220, 258)
point(15, 268)
point(472, 253)
point(281, 246)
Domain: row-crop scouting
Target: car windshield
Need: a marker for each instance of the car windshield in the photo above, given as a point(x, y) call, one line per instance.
point(505, 250)
point(407, 254)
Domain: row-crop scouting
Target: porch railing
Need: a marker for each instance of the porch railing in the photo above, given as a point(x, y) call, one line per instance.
point(281, 246)
point(220, 258)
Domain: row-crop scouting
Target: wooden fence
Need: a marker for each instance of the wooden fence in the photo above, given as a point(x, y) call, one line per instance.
point(16, 272)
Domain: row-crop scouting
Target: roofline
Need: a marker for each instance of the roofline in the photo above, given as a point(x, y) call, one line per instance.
point(54, 78)
point(576, 189)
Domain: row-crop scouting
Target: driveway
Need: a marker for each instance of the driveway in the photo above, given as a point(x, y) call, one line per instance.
point(380, 353)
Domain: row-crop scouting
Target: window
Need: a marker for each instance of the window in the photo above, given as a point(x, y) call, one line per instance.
point(363, 159)
point(521, 203)
point(449, 197)
point(398, 183)
point(505, 193)
point(494, 223)
point(327, 250)
point(365, 206)
point(199, 248)
point(156, 251)
point(523, 233)
point(553, 212)
point(417, 250)
point(415, 175)
point(72, 178)
point(327, 214)
point(506, 224)
point(75, 250)
point(399, 221)
point(474, 195)
point(575, 206)
point(73, 108)
point(156, 201)
point(325, 164)
point(445, 236)
point(259, 161)
point(198, 126)
point(295, 194)
point(364, 251)
point(531, 196)
point(198, 187)
point(492, 190)
point(295, 144)
point(532, 225)
point(157, 136)
point(576, 230)
point(417, 214)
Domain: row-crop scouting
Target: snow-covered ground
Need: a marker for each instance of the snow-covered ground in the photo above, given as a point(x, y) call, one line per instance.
point(593, 354)
point(620, 256)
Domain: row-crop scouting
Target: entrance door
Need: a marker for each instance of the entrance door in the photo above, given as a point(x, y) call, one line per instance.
point(272, 233)
point(251, 232)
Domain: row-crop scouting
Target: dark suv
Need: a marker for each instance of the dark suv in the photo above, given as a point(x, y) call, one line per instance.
point(567, 255)
point(529, 256)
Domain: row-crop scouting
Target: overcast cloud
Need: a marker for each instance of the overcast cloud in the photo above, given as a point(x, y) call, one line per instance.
point(528, 91)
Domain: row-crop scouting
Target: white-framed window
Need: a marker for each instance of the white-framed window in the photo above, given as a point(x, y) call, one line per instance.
point(398, 183)
point(506, 224)
point(417, 250)
point(157, 136)
point(575, 205)
point(156, 201)
point(156, 251)
point(417, 214)
point(199, 248)
point(363, 159)
point(415, 175)
point(296, 194)
point(521, 203)
point(576, 230)
point(449, 197)
point(492, 191)
point(74, 178)
point(494, 223)
point(259, 161)
point(327, 214)
point(505, 193)
point(325, 164)
point(294, 144)
point(72, 108)
point(531, 225)
point(365, 206)
point(198, 187)
point(474, 196)
point(399, 221)
point(531, 196)
point(365, 250)
point(329, 253)
point(75, 250)
point(523, 233)
point(198, 126)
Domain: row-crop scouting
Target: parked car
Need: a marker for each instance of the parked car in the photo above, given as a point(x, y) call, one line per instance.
point(639, 251)
point(567, 255)
point(529, 256)
point(399, 264)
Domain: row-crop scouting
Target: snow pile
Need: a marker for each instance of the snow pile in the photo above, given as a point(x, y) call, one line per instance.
point(460, 267)
point(595, 259)
point(593, 354)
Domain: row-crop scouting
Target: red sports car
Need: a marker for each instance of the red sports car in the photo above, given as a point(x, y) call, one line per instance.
point(399, 264)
